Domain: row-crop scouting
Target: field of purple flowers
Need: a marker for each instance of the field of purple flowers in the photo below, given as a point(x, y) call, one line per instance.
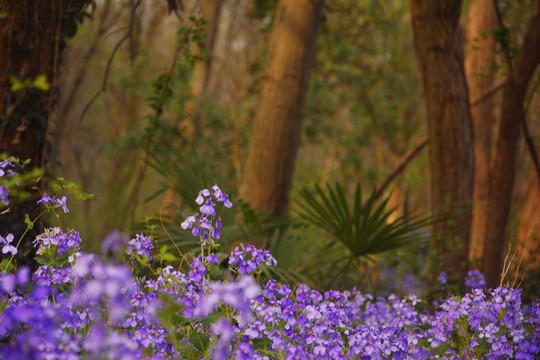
point(86, 306)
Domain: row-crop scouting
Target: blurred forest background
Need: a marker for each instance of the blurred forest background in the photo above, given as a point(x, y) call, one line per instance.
point(433, 107)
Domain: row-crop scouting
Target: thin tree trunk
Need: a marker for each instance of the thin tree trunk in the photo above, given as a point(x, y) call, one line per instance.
point(31, 37)
point(528, 235)
point(275, 135)
point(480, 71)
point(211, 9)
point(503, 171)
point(438, 42)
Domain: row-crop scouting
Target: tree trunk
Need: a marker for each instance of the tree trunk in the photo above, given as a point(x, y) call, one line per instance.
point(480, 71)
point(211, 9)
point(528, 235)
point(275, 134)
point(31, 37)
point(503, 171)
point(438, 43)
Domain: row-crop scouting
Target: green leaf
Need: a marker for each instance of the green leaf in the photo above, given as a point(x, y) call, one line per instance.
point(441, 349)
point(6, 265)
point(71, 29)
point(421, 306)
point(41, 261)
point(28, 222)
point(200, 341)
point(168, 257)
point(528, 327)
point(41, 82)
point(213, 317)
point(215, 273)
point(261, 344)
point(17, 84)
point(3, 14)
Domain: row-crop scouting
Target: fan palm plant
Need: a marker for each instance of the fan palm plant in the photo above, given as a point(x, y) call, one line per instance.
point(363, 229)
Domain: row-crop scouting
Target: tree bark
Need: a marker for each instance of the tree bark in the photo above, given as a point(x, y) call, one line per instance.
point(31, 37)
point(503, 171)
point(479, 61)
point(211, 9)
point(528, 235)
point(275, 134)
point(438, 43)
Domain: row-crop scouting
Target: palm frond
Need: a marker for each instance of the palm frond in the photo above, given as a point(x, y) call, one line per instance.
point(363, 230)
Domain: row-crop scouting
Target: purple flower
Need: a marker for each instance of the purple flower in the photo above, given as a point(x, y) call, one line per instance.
point(215, 233)
point(142, 245)
point(224, 330)
point(226, 201)
point(249, 259)
point(206, 224)
point(212, 259)
point(196, 230)
point(217, 191)
point(208, 208)
point(295, 353)
point(8, 248)
point(443, 278)
point(198, 270)
point(114, 241)
point(83, 264)
point(236, 294)
point(56, 238)
point(46, 199)
point(23, 275)
point(188, 223)
point(42, 276)
point(4, 194)
point(62, 203)
point(202, 195)
point(7, 282)
point(244, 351)
point(475, 280)
point(4, 164)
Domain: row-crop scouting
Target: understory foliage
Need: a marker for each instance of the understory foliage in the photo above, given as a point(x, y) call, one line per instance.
point(79, 305)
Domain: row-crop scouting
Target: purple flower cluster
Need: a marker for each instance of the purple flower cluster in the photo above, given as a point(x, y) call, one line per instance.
point(475, 280)
point(54, 202)
point(142, 245)
point(57, 240)
point(205, 223)
point(246, 260)
point(8, 282)
point(345, 325)
point(79, 306)
point(236, 294)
